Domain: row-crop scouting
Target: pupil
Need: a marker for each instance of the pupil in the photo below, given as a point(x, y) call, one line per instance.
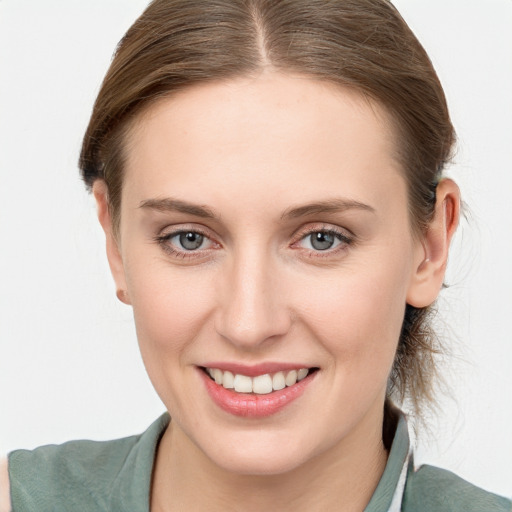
point(191, 241)
point(322, 241)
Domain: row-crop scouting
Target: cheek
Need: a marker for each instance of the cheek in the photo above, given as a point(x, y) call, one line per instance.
point(171, 310)
point(170, 307)
point(358, 318)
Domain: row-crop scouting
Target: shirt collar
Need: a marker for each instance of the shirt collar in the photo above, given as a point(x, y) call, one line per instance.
point(390, 490)
point(132, 487)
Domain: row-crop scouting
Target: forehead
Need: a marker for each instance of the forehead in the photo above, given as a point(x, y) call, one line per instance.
point(275, 129)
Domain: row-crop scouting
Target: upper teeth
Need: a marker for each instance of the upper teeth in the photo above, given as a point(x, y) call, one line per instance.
point(261, 384)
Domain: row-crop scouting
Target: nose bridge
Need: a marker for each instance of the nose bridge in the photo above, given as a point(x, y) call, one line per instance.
point(251, 310)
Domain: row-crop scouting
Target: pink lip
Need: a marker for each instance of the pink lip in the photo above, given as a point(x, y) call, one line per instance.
point(256, 369)
point(250, 405)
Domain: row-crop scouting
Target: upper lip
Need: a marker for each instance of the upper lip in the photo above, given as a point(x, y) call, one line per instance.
point(255, 369)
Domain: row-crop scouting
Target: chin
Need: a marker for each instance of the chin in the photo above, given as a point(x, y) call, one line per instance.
point(260, 464)
point(268, 456)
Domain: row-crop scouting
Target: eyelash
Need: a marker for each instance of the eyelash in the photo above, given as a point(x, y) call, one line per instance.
point(163, 241)
point(341, 236)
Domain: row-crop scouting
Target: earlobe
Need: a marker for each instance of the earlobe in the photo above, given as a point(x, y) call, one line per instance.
point(115, 260)
point(430, 268)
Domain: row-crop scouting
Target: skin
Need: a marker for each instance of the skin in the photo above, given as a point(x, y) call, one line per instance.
point(250, 151)
point(5, 500)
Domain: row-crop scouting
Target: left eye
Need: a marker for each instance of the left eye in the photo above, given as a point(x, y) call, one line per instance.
point(189, 240)
point(321, 240)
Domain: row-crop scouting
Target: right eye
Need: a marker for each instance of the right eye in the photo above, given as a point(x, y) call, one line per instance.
point(184, 243)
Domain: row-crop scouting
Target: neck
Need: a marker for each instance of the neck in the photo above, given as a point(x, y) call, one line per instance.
point(342, 478)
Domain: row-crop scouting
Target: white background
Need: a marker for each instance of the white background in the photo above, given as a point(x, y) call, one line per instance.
point(69, 363)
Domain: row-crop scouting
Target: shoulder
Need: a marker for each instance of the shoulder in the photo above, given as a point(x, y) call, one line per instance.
point(78, 474)
point(5, 498)
point(86, 476)
point(431, 489)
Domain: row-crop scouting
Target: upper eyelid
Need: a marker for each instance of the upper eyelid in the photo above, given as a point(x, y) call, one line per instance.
point(168, 232)
point(171, 231)
point(327, 228)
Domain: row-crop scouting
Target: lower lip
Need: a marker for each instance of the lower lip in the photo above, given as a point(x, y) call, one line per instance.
point(252, 405)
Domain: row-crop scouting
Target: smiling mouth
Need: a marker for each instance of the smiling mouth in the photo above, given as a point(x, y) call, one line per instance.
point(259, 384)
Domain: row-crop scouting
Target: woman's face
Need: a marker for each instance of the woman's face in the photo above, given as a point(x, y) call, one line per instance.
point(264, 229)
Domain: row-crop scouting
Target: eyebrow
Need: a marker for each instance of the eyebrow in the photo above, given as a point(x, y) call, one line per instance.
point(176, 205)
point(329, 206)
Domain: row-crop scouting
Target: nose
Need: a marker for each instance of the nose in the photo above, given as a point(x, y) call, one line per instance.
point(252, 307)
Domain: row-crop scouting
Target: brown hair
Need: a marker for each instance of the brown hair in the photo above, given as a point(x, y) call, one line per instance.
point(362, 44)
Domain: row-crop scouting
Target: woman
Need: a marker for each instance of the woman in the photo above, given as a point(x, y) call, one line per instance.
point(269, 179)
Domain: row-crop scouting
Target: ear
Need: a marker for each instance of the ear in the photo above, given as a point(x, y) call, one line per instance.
point(432, 254)
point(115, 259)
